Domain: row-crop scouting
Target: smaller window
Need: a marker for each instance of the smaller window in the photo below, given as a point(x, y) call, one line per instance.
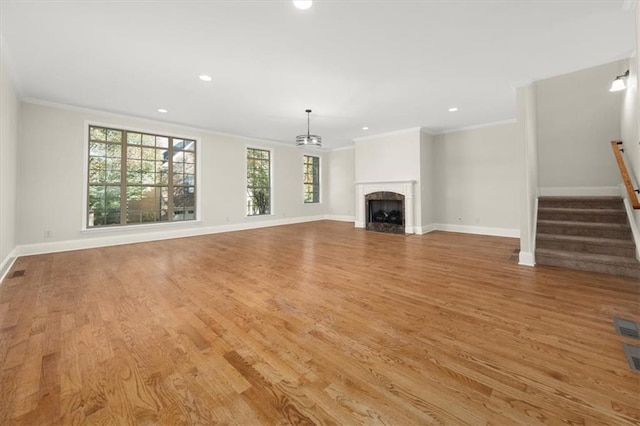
point(311, 179)
point(258, 182)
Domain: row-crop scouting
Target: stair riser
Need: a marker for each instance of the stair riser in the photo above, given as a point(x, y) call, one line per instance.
point(617, 234)
point(589, 266)
point(582, 204)
point(581, 247)
point(579, 216)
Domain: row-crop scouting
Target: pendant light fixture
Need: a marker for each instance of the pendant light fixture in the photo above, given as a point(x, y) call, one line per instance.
point(619, 83)
point(308, 139)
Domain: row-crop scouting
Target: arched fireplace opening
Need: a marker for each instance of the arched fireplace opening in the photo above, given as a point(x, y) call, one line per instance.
point(385, 212)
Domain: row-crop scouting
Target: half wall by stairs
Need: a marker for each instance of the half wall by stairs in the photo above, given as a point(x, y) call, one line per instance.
point(586, 233)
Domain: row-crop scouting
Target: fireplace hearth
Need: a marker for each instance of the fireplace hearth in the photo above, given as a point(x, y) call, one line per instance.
point(385, 212)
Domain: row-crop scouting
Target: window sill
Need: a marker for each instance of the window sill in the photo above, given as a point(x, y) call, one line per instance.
point(159, 225)
point(259, 215)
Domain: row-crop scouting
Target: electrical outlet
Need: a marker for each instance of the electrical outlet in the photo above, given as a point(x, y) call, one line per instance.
point(48, 234)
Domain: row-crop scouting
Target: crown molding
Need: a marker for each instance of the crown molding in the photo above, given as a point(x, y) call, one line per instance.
point(394, 133)
point(478, 126)
point(179, 126)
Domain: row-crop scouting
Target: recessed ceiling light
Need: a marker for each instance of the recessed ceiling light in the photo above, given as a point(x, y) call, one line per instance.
point(163, 111)
point(205, 77)
point(365, 128)
point(453, 109)
point(302, 4)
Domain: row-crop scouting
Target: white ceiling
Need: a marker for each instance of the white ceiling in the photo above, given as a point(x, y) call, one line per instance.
point(388, 65)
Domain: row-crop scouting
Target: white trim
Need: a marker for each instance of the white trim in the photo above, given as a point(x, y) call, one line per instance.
point(107, 241)
point(595, 191)
point(478, 230)
point(534, 226)
point(385, 182)
point(526, 259)
point(394, 133)
point(340, 218)
point(632, 220)
point(126, 128)
point(59, 246)
point(477, 126)
point(425, 229)
point(123, 116)
point(6, 264)
point(343, 148)
point(525, 82)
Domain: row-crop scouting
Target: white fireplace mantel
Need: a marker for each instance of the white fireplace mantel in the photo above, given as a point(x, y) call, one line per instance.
point(404, 187)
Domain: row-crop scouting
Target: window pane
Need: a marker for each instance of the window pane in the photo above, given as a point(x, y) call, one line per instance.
point(97, 149)
point(143, 204)
point(134, 138)
point(133, 152)
point(148, 140)
point(183, 203)
point(114, 136)
point(162, 142)
point(97, 169)
point(97, 134)
point(189, 157)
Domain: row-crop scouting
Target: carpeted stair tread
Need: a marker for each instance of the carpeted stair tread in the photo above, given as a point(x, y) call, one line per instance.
point(595, 225)
point(581, 210)
point(591, 258)
point(582, 202)
point(573, 214)
point(588, 240)
point(626, 267)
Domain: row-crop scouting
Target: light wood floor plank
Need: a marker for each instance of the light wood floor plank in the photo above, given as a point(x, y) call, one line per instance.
point(316, 323)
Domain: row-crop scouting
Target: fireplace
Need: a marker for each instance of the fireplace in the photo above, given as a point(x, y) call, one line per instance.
point(385, 212)
point(403, 192)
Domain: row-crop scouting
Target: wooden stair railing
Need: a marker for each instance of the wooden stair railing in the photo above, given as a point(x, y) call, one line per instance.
point(633, 197)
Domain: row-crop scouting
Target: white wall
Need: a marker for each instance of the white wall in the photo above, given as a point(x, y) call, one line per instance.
point(9, 123)
point(476, 175)
point(577, 117)
point(428, 181)
point(341, 177)
point(630, 123)
point(389, 158)
point(51, 181)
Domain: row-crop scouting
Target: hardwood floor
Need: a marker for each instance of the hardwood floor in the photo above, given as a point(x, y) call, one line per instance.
point(316, 323)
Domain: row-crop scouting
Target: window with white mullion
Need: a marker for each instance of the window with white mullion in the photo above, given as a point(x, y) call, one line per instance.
point(131, 178)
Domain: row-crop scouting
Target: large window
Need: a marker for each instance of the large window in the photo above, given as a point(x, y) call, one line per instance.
point(258, 182)
point(311, 179)
point(136, 177)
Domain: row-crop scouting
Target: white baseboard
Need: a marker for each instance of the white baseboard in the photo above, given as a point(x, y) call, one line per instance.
point(479, 230)
point(340, 218)
point(421, 230)
point(6, 264)
point(526, 259)
point(107, 240)
point(595, 191)
point(59, 246)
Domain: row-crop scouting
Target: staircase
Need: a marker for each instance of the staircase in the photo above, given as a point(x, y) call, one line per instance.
point(586, 233)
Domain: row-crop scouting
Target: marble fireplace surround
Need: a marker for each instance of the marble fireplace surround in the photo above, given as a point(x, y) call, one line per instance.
point(404, 187)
